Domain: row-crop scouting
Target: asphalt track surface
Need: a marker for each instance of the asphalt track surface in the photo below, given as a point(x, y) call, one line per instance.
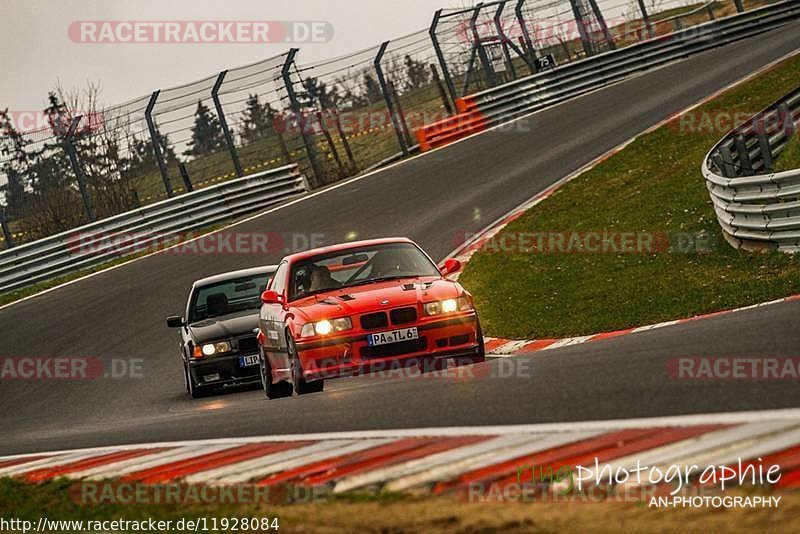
point(432, 199)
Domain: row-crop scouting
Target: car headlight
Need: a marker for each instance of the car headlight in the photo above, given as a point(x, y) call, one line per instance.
point(210, 349)
point(447, 306)
point(325, 327)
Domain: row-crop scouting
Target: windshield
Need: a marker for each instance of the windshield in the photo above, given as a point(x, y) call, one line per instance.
point(358, 266)
point(227, 297)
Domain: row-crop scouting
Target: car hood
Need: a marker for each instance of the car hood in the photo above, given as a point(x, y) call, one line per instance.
point(364, 299)
point(224, 327)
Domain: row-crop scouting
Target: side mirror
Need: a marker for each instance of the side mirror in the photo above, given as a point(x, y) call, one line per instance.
point(271, 297)
point(175, 322)
point(451, 266)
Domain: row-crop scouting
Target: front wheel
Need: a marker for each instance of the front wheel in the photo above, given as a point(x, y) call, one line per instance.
point(301, 385)
point(191, 387)
point(271, 389)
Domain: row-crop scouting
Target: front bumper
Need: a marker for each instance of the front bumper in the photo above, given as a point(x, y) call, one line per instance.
point(439, 338)
point(223, 371)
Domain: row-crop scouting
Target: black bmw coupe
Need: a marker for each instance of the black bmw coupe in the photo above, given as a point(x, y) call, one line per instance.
point(218, 347)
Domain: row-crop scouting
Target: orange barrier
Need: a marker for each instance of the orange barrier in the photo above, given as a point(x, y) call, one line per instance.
point(468, 121)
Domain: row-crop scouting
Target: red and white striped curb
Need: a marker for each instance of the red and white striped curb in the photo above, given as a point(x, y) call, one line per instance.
point(437, 459)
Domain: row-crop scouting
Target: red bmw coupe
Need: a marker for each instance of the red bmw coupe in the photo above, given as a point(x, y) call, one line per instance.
point(362, 307)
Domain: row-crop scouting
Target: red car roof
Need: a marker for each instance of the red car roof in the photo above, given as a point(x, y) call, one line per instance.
point(345, 246)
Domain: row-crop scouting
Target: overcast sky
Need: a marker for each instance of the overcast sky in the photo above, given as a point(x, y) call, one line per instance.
point(37, 49)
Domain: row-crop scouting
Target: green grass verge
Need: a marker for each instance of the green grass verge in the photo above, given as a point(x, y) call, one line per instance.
point(654, 185)
point(60, 500)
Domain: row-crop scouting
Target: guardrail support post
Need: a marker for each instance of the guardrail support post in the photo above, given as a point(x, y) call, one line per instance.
point(440, 55)
point(155, 140)
point(710, 10)
point(739, 6)
point(187, 182)
point(766, 150)
point(526, 35)
point(76, 168)
point(237, 166)
point(745, 164)
point(387, 97)
point(646, 19)
point(6, 230)
point(295, 107)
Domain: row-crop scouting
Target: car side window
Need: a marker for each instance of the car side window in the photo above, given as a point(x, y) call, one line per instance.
point(279, 281)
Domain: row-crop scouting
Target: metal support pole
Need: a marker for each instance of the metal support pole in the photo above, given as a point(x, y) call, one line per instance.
point(532, 53)
point(504, 41)
point(487, 66)
point(237, 166)
point(710, 10)
point(387, 97)
point(76, 168)
point(739, 6)
point(187, 182)
point(442, 91)
point(331, 144)
point(6, 230)
point(399, 110)
point(588, 47)
point(646, 19)
point(337, 119)
point(440, 56)
point(603, 27)
point(295, 107)
point(155, 140)
point(509, 43)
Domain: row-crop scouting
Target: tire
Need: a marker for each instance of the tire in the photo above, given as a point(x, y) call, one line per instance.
point(195, 391)
point(271, 389)
point(479, 336)
point(300, 385)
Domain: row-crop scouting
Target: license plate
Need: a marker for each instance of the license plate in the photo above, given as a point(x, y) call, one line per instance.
point(393, 336)
point(248, 361)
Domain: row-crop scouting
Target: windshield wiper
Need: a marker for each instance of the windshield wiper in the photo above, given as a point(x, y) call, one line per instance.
point(382, 279)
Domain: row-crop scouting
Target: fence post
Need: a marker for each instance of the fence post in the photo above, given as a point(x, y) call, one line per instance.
point(739, 6)
point(710, 10)
point(323, 125)
point(399, 110)
point(504, 41)
point(440, 56)
point(76, 168)
point(155, 139)
point(187, 182)
point(646, 19)
point(581, 24)
point(488, 70)
point(343, 138)
point(387, 97)
point(442, 91)
point(603, 27)
point(6, 230)
point(224, 123)
point(525, 33)
point(294, 105)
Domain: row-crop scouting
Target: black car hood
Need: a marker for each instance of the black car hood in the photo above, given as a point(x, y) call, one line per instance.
point(219, 328)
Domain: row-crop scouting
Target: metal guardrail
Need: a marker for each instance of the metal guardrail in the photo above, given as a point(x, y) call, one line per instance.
point(547, 88)
point(89, 245)
point(756, 208)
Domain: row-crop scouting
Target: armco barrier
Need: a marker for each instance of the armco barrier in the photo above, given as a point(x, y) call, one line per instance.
point(57, 255)
point(757, 208)
point(551, 87)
